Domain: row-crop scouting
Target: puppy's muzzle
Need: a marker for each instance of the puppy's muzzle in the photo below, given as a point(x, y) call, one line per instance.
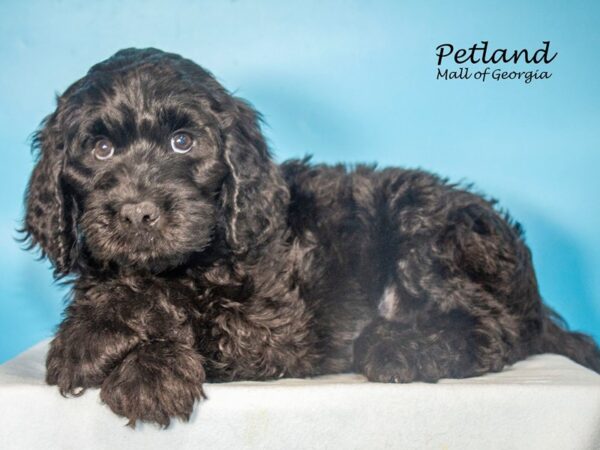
point(138, 215)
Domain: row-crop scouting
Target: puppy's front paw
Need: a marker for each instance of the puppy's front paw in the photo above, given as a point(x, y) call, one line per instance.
point(155, 382)
point(81, 356)
point(71, 374)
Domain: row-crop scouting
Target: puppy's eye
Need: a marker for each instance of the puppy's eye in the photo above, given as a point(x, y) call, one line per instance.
point(181, 142)
point(103, 149)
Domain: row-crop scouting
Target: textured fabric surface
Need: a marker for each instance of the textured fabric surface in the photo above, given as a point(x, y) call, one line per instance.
point(545, 402)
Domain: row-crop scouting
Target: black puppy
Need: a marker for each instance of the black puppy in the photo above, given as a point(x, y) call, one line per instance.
point(194, 257)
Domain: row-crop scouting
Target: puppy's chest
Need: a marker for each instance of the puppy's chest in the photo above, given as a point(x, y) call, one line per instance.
point(253, 338)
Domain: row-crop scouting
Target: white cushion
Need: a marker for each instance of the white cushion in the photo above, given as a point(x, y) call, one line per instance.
point(545, 402)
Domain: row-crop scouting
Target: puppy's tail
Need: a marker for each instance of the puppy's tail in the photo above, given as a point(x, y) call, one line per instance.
point(579, 347)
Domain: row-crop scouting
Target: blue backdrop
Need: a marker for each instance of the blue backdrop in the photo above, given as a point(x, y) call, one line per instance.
point(344, 80)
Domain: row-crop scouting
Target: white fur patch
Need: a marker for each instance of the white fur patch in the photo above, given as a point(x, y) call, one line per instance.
point(388, 305)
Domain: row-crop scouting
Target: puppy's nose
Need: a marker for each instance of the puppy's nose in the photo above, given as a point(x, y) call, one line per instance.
point(139, 214)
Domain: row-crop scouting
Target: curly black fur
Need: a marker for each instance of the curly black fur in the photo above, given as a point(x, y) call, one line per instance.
point(252, 270)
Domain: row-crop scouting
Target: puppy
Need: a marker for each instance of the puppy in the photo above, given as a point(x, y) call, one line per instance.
point(194, 257)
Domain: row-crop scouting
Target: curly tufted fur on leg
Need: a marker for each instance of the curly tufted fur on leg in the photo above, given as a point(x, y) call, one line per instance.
point(194, 256)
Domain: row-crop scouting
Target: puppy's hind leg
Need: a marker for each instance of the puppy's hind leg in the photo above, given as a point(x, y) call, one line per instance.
point(456, 305)
point(425, 349)
point(431, 343)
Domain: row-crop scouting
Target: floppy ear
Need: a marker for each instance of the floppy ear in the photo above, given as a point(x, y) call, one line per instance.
point(48, 221)
point(255, 196)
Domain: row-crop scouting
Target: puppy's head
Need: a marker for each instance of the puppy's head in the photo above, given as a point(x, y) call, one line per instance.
point(146, 161)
